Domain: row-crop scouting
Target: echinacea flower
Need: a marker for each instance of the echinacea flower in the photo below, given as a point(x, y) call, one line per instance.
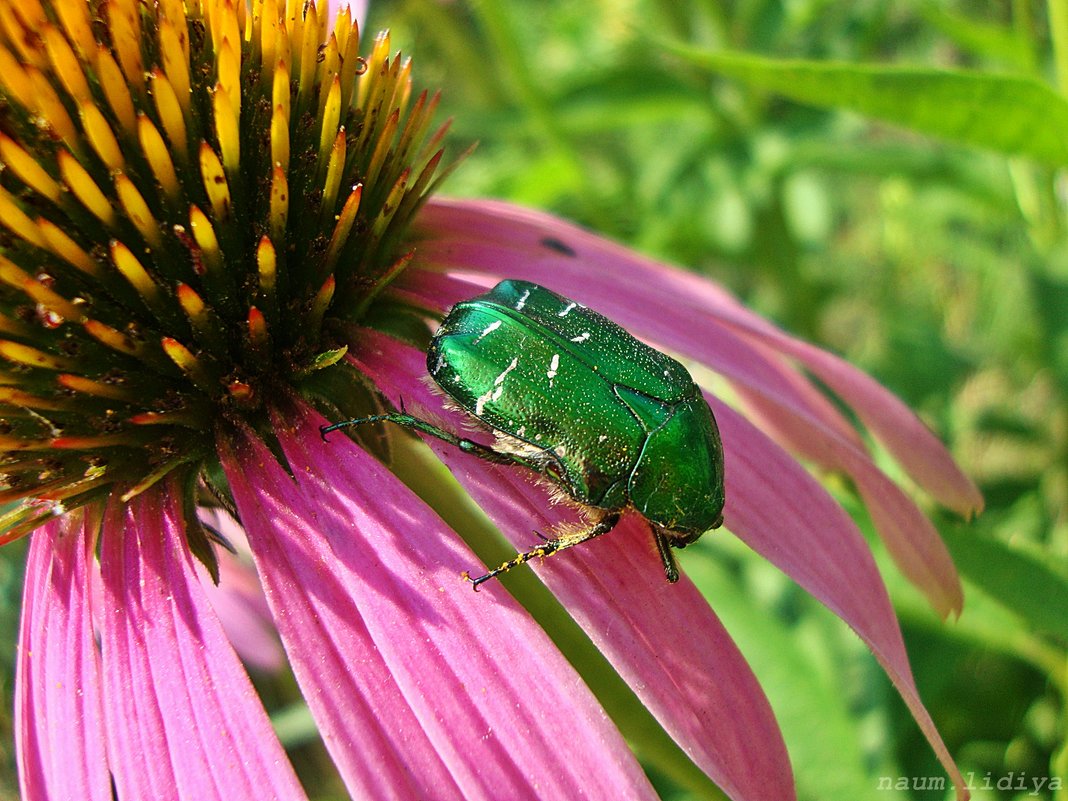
point(214, 238)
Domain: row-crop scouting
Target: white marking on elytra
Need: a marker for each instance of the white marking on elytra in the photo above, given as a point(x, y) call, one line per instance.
point(494, 394)
point(567, 308)
point(519, 304)
point(602, 438)
point(500, 379)
point(581, 337)
point(521, 431)
point(489, 329)
point(554, 365)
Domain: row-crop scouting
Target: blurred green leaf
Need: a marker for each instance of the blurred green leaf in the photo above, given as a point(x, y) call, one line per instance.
point(1050, 293)
point(978, 36)
point(1009, 114)
point(1018, 580)
point(1009, 422)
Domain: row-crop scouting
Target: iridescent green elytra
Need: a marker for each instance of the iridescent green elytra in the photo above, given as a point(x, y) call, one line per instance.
point(614, 423)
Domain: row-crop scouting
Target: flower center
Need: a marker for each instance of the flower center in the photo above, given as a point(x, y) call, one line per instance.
point(190, 193)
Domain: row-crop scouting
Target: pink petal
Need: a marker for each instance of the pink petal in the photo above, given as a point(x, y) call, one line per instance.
point(635, 292)
point(781, 512)
point(59, 731)
point(664, 640)
point(910, 537)
point(795, 412)
point(455, 231)
point(182, 719)
point(375, 741)
point(370, 556)
point(912, 444)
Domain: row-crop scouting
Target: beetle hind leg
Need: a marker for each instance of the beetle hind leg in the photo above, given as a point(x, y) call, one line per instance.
point(667, 558)
point(549, 547)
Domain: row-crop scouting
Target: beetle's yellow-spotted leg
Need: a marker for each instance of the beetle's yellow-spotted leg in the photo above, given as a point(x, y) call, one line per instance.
point(549, 547)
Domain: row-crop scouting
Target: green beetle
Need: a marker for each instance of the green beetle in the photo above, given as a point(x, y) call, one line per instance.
point(614, 423)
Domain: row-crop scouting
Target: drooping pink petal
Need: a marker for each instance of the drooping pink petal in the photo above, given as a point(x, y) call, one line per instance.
point(798, 415)
point(704, 325)
point(467, 235)
point(912, 444)
point(910, 537)
point(664, 640)
point(470, 687)
point(59, 732)
point(182, 719)
point(781, 512)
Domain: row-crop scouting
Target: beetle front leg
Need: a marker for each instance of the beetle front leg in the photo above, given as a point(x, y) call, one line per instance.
point(466, 445)
point(549, 547)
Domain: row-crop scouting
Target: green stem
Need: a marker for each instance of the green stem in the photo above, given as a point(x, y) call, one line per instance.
point(1023, 25)
point(1058, 26)
point(1034, 185)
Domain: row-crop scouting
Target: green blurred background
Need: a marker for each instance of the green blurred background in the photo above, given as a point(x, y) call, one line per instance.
point(938, 266)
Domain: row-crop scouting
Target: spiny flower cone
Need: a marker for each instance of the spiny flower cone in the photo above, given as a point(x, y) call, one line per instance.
point(193, 198)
